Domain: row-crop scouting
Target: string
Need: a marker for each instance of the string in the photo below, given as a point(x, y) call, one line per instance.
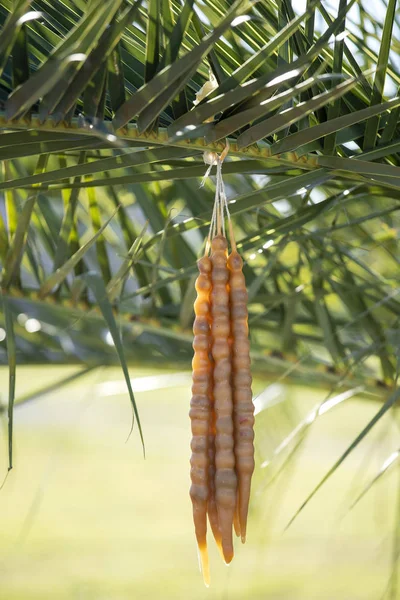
point(210, 158)
point(207, 173)
point(220, 217)
point(217, 223)
point(225, 204)
point(211, 230)
point(218, 193)
point(214, 229)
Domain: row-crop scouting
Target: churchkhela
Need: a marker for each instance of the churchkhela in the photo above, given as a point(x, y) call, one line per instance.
point(221, 408)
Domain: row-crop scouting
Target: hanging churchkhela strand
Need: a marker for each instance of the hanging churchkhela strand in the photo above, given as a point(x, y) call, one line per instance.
point(200, 411)
point(221, 409)
point(225, 474)
point(241, 387)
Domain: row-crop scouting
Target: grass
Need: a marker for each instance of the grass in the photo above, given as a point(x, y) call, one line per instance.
point(83, 516)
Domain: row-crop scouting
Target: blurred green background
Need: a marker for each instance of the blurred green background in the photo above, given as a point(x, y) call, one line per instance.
point(84, 516)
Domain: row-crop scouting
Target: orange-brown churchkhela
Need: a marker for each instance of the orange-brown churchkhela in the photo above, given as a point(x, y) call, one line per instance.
point(212, 509)
point(236, 523)
point(243, 408)
point(222, 410)
point(225, 475)
point(200, 410)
